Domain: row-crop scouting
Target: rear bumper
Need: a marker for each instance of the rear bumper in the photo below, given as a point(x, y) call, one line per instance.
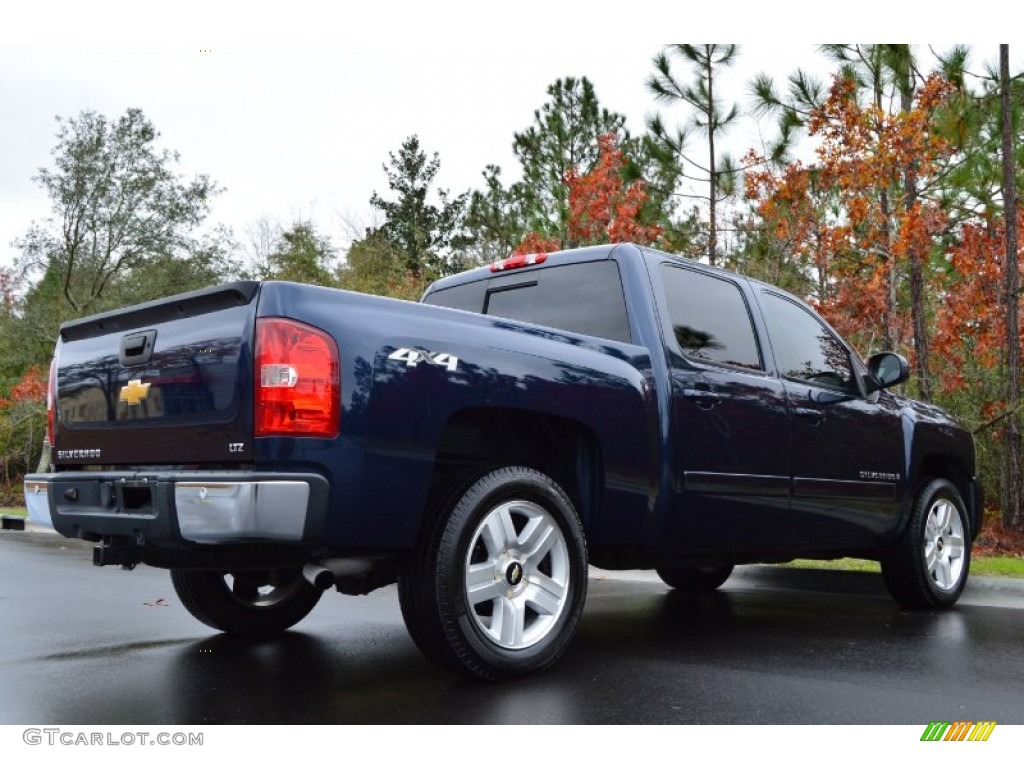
point(181, 508)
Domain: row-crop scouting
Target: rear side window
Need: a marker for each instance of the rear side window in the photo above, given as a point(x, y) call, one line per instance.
point(580, 298)
point(468, 296)
point(710, 319)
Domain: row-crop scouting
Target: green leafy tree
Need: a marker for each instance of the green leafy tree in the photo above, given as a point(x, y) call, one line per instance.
point(123, 229)
point(22, 428)
point(427, 234)
point(374, 264)
point(9, 286)
point(660, 174)
point(495, 219)
point(302, 255)
point(118, 207)
point(563, 138)
point(562, 143)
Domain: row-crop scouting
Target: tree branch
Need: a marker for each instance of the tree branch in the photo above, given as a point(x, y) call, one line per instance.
point(1004, 415)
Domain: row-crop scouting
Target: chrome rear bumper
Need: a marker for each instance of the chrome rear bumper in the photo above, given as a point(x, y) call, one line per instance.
point(188, 507)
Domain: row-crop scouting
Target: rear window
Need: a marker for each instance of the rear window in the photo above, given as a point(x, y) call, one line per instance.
point(580, 298)
point(468, 296)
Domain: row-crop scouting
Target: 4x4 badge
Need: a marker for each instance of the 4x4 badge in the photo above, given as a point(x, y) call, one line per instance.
point(414, 357)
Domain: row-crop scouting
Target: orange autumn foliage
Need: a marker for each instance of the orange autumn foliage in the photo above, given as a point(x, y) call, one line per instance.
point(537, 243)
point(31, 388)
point(603, 208)
point(970, 323)
point(847, 219)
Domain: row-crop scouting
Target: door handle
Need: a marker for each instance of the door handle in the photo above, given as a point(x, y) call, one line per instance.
point(705, 397)
point(812, 415)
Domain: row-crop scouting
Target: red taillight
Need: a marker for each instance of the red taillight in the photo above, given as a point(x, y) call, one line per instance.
point(519, 260)
point(51, 404)
point(298, 380)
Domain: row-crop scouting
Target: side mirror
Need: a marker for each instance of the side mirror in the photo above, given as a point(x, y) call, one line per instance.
point(887, 370)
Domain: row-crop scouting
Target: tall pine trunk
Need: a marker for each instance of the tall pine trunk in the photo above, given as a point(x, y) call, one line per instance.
point(917, 257)
point(1012, 486)
point(712, 170)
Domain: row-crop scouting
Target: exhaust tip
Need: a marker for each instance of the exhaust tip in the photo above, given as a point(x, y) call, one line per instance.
point(318, 576)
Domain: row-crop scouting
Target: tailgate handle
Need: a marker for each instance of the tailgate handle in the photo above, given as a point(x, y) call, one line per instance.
point(137, 348)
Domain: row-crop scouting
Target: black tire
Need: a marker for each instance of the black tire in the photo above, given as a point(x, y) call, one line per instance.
point(927, 567)
point(525, 604)
point(695, 581)
point(256, 603)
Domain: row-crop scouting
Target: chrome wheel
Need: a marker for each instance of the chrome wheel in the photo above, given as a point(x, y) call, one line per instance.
point(517, 574)
point(496, 587)
point(944, 544)
point(927, 565)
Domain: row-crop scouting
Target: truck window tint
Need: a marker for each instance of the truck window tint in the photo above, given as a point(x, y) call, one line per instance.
point(709, 317)
point(468, 296)
point(581, 298)
point(804, 348)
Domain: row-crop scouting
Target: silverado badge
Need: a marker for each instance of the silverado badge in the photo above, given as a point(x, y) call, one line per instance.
point(134, 392)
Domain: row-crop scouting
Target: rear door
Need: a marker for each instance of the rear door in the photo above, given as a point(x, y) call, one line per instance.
point(731, 428)
point(169, 382)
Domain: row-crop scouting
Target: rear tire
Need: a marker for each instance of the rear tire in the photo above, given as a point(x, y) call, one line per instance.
point(695, 581)
point(928, 565)
point(496, 588)
point(252, 603)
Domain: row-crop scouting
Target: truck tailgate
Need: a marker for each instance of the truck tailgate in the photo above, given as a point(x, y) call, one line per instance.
point(168, 382)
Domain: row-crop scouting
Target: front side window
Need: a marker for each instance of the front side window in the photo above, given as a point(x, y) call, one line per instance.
point(804, 347)
point(709, 318)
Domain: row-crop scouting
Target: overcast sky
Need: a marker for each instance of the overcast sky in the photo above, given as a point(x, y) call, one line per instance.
point(302, 130)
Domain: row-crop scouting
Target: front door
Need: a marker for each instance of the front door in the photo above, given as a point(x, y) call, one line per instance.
point(848, 454)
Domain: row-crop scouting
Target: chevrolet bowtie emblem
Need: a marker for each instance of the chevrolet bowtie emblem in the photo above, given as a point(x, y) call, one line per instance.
point(134, 392)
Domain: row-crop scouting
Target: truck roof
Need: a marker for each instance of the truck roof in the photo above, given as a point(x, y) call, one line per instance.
point(569, 256)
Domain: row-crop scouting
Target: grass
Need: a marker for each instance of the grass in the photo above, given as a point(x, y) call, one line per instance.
point(16, 511)
point(994, 565)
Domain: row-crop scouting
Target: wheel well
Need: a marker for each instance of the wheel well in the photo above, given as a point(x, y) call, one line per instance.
point(563, 449)
point(935, 466)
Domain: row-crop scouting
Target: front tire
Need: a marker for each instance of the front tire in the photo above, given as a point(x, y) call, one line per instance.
point(497, 586)
point(695, 581)
point(928, 565)
point(252, 603)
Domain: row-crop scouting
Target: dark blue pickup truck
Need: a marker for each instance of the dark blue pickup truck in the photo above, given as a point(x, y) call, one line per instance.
point(610, 405)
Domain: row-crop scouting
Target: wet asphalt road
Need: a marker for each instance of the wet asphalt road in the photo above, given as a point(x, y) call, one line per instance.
point(91, 645)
